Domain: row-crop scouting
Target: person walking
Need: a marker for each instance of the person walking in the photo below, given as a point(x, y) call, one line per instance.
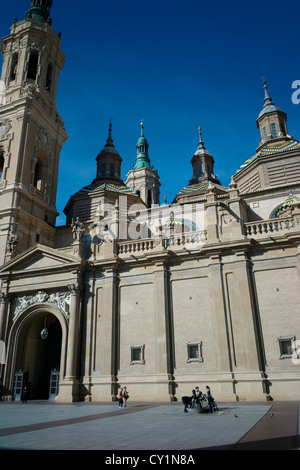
point(209, 398)
point(125, 396)
point(25, 394)
point(120, 398)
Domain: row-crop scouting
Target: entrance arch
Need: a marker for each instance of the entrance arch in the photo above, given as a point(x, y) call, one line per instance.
point(35, 356)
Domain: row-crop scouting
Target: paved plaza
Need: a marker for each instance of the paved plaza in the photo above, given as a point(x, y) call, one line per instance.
point(148, 427)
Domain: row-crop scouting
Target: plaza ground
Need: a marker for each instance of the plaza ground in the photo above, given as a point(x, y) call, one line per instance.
point(148, 426)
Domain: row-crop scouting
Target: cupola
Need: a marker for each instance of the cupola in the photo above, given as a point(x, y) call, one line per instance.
point(40, 11)
point(271, 121)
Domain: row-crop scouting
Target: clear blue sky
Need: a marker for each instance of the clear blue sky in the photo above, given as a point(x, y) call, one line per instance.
point(173, 64)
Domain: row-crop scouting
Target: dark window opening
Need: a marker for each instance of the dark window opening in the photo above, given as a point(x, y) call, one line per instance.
point(37, 180)
point(1, 165)
point(149, 198)
point(49, 77)
point(112, 170)
point(32, 66)
point(282, 127)
point(14, 67)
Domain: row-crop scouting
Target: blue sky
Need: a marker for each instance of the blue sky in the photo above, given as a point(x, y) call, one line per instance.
point(173, 64)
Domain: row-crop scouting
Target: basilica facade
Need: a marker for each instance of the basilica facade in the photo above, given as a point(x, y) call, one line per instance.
point(158, 297)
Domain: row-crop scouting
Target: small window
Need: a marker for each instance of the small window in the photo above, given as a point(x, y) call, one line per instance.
point(103, 169)
point(274, 130)
point(282, 127)
point(194, 351)
point(112, 170)
point(137, 354)
point(286, 349)
point(265, 135)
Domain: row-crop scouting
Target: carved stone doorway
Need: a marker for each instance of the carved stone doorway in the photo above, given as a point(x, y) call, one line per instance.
point(38, 354)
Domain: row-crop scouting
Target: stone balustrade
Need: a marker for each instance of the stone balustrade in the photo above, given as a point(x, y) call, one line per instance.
point(190, 240)
point(268, 227)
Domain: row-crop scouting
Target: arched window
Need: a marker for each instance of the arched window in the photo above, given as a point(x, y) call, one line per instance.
point(112, 170)
point(37, 180)
point(149, 198)
point(1, 164)
point(32, 66)
point(49, 77)
point(14, 67)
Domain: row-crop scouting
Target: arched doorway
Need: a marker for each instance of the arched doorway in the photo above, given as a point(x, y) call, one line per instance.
point(38, 355)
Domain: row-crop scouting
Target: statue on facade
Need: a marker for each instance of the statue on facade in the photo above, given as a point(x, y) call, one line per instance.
point(12, 243)
point(77, 229)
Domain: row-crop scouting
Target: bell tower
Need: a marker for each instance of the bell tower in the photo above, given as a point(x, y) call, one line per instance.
point(31, 132)
point(143, 178)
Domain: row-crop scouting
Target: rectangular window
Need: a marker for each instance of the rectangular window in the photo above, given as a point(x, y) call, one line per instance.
point(274, 130)
point(137, 354)
point(265, 135)
point(194, 351)
point(285, 346)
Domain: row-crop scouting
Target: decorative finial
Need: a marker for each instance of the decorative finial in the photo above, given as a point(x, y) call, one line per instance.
point(142, 127)
point(201, 143)
point(267, 99)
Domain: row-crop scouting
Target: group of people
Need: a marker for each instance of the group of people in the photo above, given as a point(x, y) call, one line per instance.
point(198, 398)
point(123, 396)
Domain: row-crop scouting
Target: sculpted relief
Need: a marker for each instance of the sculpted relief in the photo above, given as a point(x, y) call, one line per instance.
point(60, 299)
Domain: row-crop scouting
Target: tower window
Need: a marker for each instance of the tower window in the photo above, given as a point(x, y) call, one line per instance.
point(37, 180)
point(265, 135)
point(274, 130)
point(282, 127)
point(14, 67)
point(149, 198)
point(32, 66)
point(49, 77)
point(112, 170)
point(1, 165)
point(103, 169)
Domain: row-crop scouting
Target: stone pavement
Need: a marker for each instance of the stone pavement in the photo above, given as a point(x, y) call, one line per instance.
point(148, 426)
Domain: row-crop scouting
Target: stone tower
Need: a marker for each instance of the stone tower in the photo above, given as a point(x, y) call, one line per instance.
point(203, 164)
point(143, 178)
point(31, 132)
point(271, 121)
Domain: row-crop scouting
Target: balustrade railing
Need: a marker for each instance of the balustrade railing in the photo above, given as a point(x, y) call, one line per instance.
point(174, 241)
point(267, 227)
